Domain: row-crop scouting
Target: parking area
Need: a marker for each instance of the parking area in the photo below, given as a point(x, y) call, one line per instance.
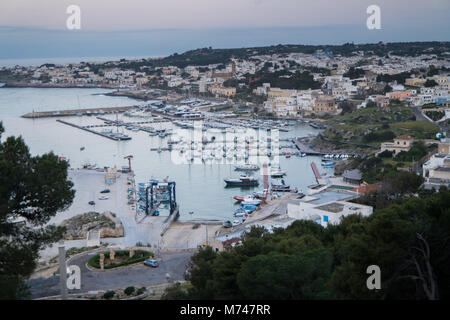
point(88, 185)
point(172, 263)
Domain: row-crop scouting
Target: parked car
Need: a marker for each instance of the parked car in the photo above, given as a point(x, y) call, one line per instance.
point(151, 263)
point(105, 191)
point(236, 222)
point(92, 203)
point(103, 198)
point(227, 224)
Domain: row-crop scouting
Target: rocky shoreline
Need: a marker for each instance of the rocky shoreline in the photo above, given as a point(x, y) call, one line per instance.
point(318, 144)
point(106, 223)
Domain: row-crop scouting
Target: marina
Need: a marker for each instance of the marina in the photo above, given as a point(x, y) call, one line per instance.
point(200, 184)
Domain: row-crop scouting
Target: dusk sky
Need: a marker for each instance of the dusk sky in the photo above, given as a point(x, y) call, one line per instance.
point(155, 14)
point(158, 27)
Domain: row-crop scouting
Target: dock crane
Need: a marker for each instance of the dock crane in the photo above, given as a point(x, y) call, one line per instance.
point(151, 203)
point(129, 161)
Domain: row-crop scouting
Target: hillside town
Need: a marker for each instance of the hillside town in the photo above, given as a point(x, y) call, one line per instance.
point(376, 123)
point(324, 81)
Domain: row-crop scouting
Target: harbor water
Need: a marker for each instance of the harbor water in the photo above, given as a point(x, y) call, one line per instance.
point(200, 188)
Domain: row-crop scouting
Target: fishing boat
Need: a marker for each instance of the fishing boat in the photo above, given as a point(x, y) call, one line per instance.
point(246, 167)
point(260, 194)
point(328, 164)
point(240, 213)
point(251, 202)
point(249, 207)
point(242, 181)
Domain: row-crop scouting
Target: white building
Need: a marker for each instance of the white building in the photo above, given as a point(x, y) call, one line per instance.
point(326, 213)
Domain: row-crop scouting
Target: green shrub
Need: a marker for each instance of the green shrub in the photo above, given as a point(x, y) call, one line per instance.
point(139, 256)
point(386, 154)
point(435, 115)
point(379, 136)
point(108, 295)
point(129, 290)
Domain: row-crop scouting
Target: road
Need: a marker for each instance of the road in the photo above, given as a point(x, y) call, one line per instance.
point(173, 263)
point(419, 115)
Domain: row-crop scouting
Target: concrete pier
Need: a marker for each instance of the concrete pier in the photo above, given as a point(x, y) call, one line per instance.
point(89, 130)
point(74, 112)
point(316, 172)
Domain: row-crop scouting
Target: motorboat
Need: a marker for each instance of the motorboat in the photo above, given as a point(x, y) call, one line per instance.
point(281, 188)
point(251, 202)
point(277, 172)
point(246, 167)
point(328, 164)
point(240, 213)
point(248, 207)
point(242, 181)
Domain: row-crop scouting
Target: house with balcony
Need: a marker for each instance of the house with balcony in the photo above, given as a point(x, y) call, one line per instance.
point(401, 143)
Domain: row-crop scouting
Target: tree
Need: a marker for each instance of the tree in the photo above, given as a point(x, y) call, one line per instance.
point(407, 240)
point(32, 190)
point(387, 88)
point(200, 274)
point(282, 276)
point(430, 83)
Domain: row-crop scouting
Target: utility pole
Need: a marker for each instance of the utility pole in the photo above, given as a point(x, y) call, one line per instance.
point(62, 270)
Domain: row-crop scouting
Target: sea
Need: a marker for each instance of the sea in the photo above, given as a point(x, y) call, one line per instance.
point(200, 188)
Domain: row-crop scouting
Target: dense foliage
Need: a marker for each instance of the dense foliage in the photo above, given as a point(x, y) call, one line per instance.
point(379, 136)
point(417, 152)
point(286, 80)
point(207, 56)
point(32, 190)
point(408, 241)
point(435, 115)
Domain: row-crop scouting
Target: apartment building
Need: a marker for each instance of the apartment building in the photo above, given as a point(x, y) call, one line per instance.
point(325, 104)
point(222, 91)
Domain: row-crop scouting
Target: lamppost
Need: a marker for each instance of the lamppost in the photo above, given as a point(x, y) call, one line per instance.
point(62, 270)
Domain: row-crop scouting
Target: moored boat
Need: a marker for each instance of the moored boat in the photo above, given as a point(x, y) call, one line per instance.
point(246, 167)
point(277, 173)
point(242, 181)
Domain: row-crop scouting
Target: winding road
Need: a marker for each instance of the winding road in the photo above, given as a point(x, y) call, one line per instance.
point(138, 275)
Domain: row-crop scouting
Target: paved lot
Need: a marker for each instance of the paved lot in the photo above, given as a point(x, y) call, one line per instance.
point(136, 275)
point(88, 184)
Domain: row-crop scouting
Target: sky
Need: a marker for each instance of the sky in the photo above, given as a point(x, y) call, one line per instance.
point(37, 28)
